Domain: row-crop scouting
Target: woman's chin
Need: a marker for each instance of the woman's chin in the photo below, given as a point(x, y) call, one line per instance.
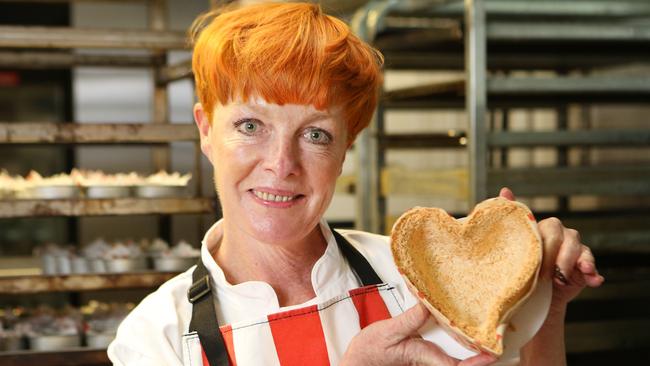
point(280, 230)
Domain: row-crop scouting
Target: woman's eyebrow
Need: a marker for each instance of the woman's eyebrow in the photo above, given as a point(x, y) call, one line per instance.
point(316, 117)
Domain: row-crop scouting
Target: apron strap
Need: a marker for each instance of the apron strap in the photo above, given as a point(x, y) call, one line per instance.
point(204, 319)
point(357, 261)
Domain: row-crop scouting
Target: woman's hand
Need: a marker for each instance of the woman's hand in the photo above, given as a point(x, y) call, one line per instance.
point(571, 266)
point(567, 260)
point(395, 342)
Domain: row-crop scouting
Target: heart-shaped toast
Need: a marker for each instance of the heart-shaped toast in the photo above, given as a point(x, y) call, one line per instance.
point(471, 275)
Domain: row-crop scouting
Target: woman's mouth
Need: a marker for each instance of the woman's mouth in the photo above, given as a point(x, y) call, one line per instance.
point(275, 198)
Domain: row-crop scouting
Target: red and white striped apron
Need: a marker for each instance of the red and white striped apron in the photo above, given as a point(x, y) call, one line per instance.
point(313, 335)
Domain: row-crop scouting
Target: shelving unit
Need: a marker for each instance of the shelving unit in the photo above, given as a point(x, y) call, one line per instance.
point(525, 55)
point(53, 47)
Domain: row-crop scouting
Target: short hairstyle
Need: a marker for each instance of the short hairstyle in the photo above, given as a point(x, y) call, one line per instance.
point(285, 53)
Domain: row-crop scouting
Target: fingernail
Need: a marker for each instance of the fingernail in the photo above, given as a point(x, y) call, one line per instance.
point(588, 267)
point(561, 279)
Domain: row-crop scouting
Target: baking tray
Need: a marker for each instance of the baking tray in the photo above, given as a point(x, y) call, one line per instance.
point(99, 340)
point(173, 264)
point(54, 342)
point(108, 191)
point(54, 192)
point(122, 265)
point(159, 191)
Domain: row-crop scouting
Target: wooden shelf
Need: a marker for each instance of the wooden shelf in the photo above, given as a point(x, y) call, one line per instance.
point(73, 357)
point(49, 59)
point(82, 282)
point(98, 207)
point(100, 133)
point(59, 37)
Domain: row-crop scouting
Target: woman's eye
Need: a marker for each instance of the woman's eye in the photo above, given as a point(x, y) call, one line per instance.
point(248, 127)
point(318, 136)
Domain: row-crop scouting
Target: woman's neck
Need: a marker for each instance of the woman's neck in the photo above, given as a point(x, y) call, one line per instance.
point(285, 266)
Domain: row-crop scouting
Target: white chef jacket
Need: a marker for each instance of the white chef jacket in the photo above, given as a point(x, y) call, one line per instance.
point(155, 332)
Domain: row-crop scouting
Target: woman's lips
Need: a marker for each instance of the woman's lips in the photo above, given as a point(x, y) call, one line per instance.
point(275, 198)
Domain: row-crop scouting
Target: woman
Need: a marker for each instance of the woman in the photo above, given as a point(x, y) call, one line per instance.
point(284, 89)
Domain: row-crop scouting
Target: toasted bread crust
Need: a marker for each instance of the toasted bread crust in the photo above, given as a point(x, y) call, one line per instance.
point(471, 276)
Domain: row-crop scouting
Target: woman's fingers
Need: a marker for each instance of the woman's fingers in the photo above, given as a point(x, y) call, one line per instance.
point(422, 352)
point(567, 256)
point(507, 194)
point(587, 266)
point(552, 233)
point(483, 359)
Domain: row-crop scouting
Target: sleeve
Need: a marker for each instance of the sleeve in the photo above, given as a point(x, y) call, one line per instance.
point(152, 333)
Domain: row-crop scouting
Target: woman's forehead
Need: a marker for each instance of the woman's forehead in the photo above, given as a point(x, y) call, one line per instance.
point(261, 106)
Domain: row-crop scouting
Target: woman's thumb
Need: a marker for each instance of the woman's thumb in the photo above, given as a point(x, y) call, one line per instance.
point(407, 323)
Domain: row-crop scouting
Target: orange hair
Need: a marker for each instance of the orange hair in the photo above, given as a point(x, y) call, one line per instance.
point(285, 53)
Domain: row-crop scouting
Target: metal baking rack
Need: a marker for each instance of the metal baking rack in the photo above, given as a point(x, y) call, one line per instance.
point(519, 54)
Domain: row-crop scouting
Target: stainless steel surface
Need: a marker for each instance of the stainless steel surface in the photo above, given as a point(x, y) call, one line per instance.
point(54, 342)
point(600, 180)
point(476, 98)
point(108, 191)
point(545, 8)
point(570, 84)
point(571, 138)
point(559, 31)
point(43, 37)
point(55, 192)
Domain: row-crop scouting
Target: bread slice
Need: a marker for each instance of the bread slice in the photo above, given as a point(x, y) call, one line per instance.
point(471, 275)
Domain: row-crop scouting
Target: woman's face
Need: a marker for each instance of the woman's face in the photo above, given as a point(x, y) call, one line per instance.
point(275, 166)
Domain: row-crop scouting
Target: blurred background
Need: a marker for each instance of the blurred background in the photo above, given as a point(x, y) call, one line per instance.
point(549, 97)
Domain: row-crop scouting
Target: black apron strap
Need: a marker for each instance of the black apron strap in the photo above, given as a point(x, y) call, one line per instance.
point(358, 262)
point(204, 319)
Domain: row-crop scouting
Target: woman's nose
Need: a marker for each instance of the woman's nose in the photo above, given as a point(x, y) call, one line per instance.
point(284, 159)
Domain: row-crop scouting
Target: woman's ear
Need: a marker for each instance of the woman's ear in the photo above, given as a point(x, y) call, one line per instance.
point(203, 123)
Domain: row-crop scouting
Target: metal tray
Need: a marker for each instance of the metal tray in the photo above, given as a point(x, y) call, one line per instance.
point(55, 192)
point(154, 191)
point(122, 265)
point(54, 342)
point(99, 340)
point(173, 264)
point(108, 191)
